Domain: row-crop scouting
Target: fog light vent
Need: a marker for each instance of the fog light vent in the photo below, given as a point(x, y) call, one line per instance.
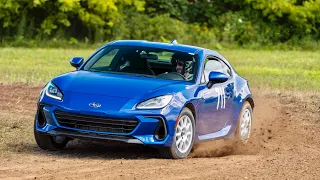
point(161, 131)
point(41, 118)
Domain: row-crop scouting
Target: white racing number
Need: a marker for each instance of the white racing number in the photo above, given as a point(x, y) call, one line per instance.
point(217, 91)
point(221, 98)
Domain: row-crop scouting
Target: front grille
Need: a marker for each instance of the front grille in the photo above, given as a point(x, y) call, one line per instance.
point(95, 123)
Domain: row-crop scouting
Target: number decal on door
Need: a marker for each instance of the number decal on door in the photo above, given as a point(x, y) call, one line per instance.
point(215, 92)
point(221, 98)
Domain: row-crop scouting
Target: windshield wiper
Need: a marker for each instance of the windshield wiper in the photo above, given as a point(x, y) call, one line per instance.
point(143, 75)
point(93, 70)
point(132, 74)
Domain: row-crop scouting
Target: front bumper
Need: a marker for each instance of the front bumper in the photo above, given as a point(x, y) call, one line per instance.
point(88, 135)
point(153, 128)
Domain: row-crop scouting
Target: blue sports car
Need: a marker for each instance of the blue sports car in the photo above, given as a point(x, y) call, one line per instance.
point(157, 94)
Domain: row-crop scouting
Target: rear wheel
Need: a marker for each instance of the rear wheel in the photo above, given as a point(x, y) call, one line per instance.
point(183, 137)
point(244, 123)
point(47, 142)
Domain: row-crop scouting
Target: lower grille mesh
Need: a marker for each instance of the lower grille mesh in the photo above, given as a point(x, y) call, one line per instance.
point(95, 123)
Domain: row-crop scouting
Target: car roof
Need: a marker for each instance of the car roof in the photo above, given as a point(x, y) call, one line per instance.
point(169, 46)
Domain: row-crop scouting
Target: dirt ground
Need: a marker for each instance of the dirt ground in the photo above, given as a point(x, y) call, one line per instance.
point(285, 145)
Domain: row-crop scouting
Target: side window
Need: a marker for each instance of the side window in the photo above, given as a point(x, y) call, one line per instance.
point(212, 65)
point(226, 69)
point(105, 60)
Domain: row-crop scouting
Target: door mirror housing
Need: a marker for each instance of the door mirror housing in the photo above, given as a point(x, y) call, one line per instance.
point(217, 77)
point(76, 62)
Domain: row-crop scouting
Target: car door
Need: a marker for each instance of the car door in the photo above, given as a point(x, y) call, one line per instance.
point(216, 102)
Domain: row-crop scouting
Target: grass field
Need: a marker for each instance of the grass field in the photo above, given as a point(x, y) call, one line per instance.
point(294, 70)
point(285, 130)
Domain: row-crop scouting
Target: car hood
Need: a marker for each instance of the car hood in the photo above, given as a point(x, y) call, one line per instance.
point(112, 85)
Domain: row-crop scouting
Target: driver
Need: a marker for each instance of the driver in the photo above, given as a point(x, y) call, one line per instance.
point(183, 64)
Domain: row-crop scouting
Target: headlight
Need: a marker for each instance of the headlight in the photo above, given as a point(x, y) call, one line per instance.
point(155, 103)
point(53, 91)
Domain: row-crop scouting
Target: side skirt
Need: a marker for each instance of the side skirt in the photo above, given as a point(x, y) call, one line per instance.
point(219, 134)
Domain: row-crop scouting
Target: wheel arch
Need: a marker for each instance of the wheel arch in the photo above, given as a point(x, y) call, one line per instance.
point(250, 100)
point(192, 109)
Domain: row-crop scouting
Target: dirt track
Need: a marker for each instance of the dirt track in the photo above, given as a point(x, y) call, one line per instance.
point(285, 145)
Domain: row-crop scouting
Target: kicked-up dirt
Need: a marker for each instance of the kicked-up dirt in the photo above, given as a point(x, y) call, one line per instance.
point(285, 144)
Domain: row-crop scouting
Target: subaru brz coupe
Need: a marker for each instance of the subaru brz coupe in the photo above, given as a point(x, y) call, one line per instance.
point(165, 95)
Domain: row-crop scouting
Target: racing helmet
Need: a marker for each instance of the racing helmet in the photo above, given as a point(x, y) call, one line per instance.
point(186, 58)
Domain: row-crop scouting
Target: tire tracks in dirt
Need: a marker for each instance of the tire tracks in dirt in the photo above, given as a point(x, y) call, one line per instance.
point(285, 145)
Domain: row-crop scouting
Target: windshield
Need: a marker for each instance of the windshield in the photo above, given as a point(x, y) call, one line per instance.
point(144, 61)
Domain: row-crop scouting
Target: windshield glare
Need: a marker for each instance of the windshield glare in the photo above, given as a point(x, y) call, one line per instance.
point(144, 61)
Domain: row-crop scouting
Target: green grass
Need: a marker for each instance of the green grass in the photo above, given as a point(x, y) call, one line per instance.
point(294, 70)
point(35, 65)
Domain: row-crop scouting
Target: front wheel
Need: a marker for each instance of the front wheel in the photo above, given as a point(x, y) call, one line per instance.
point(47, 142)
point(244, 123)
point(183, 138)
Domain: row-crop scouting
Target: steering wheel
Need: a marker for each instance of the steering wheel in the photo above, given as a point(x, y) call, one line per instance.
point(172, 75)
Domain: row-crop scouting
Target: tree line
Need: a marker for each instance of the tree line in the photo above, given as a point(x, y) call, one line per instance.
point(199, 22)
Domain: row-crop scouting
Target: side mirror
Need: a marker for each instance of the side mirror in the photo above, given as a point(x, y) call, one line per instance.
point(217, 77)
point(76, 62)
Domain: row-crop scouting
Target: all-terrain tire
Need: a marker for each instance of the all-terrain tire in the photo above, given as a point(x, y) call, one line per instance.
point(173, 152)
point(47, 142)
point(246, 110)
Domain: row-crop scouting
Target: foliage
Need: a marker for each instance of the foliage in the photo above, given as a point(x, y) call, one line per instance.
point(299, 19)
point(162, 28)
point(57, 18)
point(240, 22)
